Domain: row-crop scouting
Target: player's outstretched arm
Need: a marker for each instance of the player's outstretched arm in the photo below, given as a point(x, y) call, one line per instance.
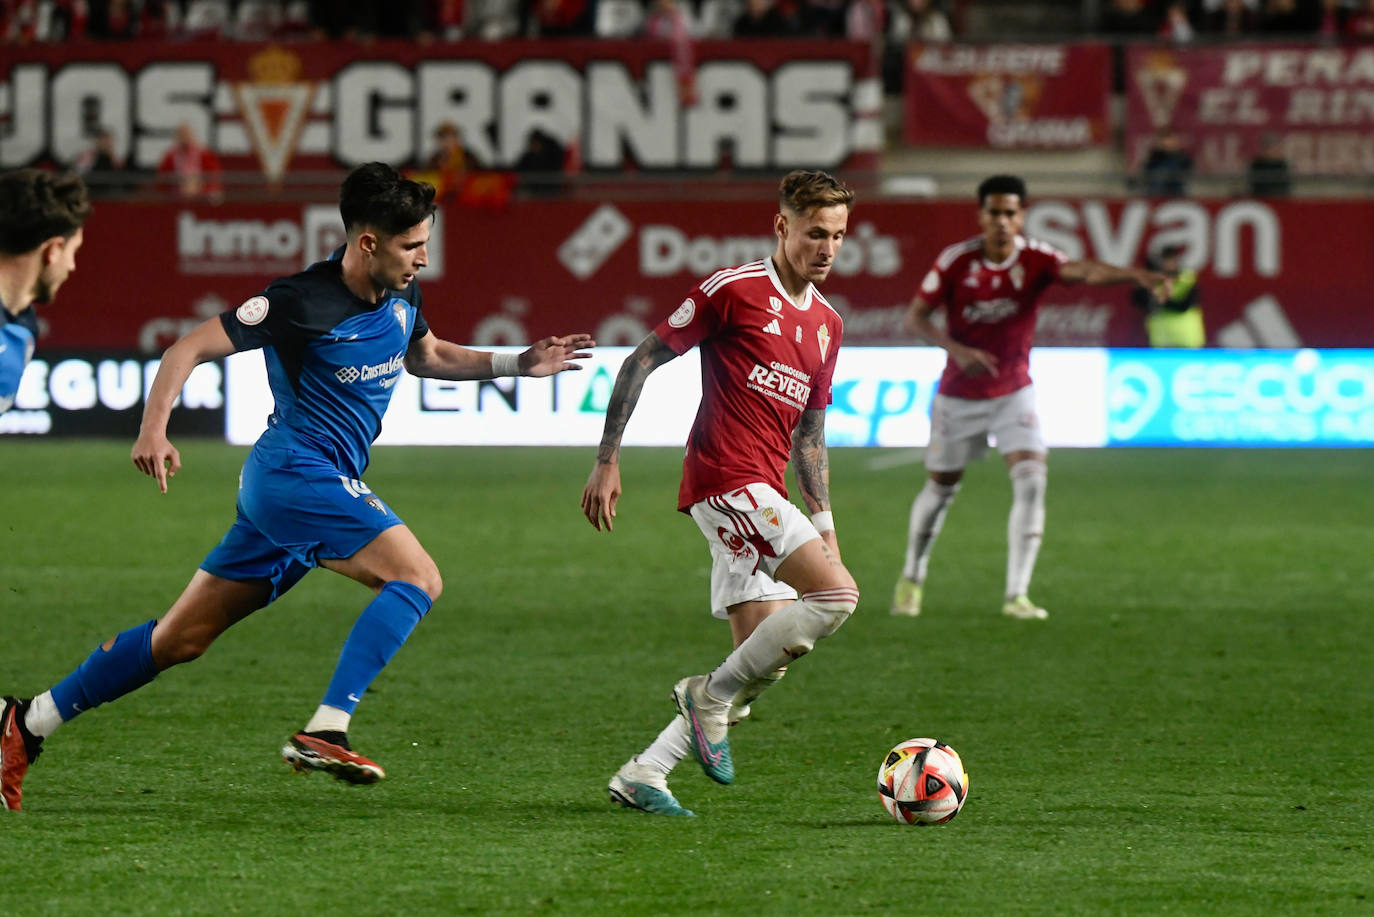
point(432, 358)
point(602, 493)
point(811, 465)
point(153, 454)
point(555, 354)
point(1098, 274)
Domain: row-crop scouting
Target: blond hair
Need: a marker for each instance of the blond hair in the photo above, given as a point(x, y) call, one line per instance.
point(800, 192)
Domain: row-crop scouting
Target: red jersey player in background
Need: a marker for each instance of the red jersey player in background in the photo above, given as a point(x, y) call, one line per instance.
point(768, 345)
point(989, 287)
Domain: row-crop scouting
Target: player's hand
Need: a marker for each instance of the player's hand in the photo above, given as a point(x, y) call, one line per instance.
point(1161, 286)
point(555, 354)
point(974, 362)
point(601, 495)
point(154, 455)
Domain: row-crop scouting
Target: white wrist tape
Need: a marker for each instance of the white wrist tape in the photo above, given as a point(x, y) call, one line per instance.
point(823, 521)
point(505, 364)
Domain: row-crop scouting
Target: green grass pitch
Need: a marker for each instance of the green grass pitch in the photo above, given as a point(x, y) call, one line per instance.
point(1189, 733)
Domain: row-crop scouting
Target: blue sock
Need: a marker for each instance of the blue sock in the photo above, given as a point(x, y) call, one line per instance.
point(379, 632)
point(108, 674)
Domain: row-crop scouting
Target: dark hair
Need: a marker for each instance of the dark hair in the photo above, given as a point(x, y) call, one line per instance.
point(801, 191)
point(377, 196)
point(1001, 184)
point(36, 206)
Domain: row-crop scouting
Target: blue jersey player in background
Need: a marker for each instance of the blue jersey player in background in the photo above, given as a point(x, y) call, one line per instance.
point(41, 216)
point(336, 338)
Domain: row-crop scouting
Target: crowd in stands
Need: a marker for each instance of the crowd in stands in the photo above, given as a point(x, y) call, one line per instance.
point(430, 20)
point(1184, 21)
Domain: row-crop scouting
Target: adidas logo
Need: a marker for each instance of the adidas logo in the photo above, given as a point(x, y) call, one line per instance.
point(1262, 324)
point(773, 328)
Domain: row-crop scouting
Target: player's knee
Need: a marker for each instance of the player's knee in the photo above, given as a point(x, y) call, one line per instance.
point(176, 646)
point(946, 478)
point(1028, 479)
point(427, 579)
point(833, 606)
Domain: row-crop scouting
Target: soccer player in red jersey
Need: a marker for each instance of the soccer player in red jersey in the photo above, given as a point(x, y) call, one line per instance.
point(768, 343)
point(989, 287)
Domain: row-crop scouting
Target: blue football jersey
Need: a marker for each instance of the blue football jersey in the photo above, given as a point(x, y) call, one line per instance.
point(17, 335)
point(333, 359)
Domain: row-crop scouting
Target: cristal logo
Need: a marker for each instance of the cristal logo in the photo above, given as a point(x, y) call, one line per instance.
point(583, 252)
point(349, 374)
point(1134, 395)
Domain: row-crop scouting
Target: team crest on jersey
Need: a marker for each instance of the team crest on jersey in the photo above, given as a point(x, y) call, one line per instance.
point(1017, 275)
point(770, 516)
point(823, 338)
point(683, 315)
point(399, 311)
point(253, 311)
point(775, 304)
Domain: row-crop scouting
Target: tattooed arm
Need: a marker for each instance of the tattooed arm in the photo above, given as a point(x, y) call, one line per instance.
point(811, 461)
point(811, 464)
point(602, 492)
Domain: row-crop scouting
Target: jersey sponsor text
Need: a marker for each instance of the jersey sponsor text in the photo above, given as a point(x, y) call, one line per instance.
point(781, 382)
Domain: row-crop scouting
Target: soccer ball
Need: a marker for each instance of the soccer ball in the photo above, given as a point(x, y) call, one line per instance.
point(922, 782)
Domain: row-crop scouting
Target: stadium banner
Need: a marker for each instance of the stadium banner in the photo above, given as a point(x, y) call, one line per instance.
point(756, 105)
point(80, 393)
point(1042, 96)
point(1272, 273)
point(1242, 398)
point(1224, 99)
point(1088, 397)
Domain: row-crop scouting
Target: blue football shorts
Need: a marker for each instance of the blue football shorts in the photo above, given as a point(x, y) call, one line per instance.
point(293, 511)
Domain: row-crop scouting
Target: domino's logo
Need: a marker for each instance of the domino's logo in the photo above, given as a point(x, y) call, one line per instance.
point(592, 243)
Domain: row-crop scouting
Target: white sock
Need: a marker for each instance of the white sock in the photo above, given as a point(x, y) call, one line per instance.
point(783, 636)
point(668, 749)
point(927, 517)
point(42, 718)
point(328, 719)
point(1025, 524)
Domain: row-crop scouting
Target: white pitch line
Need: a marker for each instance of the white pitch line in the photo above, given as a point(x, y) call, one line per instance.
point(894, 459)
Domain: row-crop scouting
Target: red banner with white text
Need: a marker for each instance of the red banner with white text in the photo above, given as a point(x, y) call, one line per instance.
point(1009, 96)
point(282, 107)
point(1317, 101)
point(1272, 274)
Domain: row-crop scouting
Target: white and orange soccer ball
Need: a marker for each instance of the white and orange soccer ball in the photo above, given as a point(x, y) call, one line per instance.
point(922, 782)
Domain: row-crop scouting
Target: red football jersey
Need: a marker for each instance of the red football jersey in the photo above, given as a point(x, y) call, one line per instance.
point(991, 307)
point(764, 360)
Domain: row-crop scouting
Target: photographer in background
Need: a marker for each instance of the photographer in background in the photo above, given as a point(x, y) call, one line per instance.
point(1174, 321)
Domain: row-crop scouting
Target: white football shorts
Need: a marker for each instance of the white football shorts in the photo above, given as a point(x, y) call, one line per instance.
point(959, 428)
point(750, 532)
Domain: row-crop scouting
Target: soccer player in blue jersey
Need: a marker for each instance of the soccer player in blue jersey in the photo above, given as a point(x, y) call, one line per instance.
point(335, 339)
point(41, 218)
